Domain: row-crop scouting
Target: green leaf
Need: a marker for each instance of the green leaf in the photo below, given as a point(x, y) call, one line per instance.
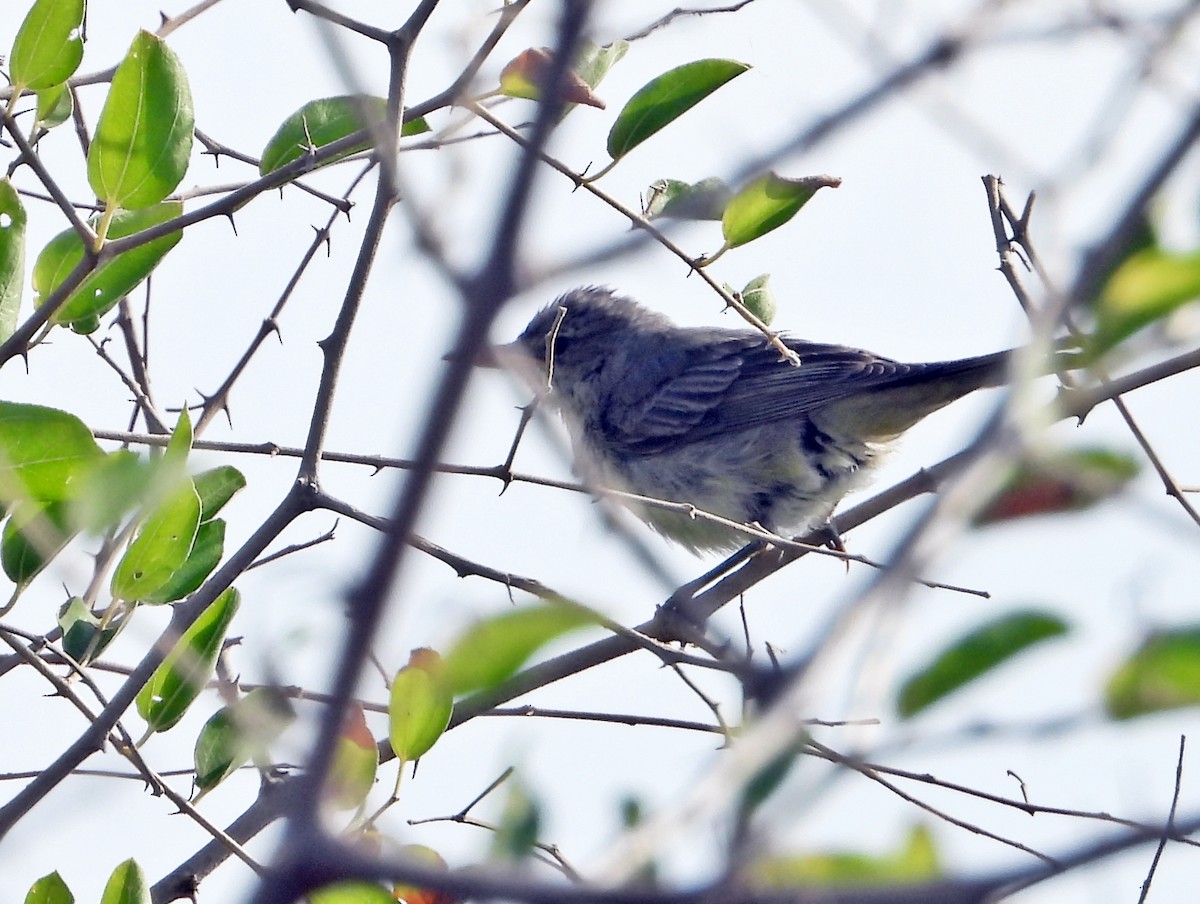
point(419, 707)
point(1163, 674)
point(351, 892)
point(186, 669)
point(1065, 482)
point(216, 487)
point(127, 885)
point(759, 298)
point(1149, 285)
point(665, 99)
point(79, 626)
point(50, 889)
point(767, 203)
point(974, 654)
point(916, 860)
point(103, 288)
point(49, 44)
point(161, 547)
point(109, 490)
point(703, 200)
point(12, 257)
point(201, 561)
point(179, 446)
point(143, 139)
point(355, 762)
point(54, 107)
point(33, 535)
point(236, 733)
point(43, 453)
point(493, 649)
point(322, 122)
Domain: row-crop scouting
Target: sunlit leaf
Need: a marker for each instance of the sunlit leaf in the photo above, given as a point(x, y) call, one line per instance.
point(976, 653)
point(665, 99)
point(759, 298)
point(1164, 673)
point(419, 707)
point(103, 288)
point(126, 885)
point(236, 733)
point(143, 139)
point(49, 889)
point(324, 121)
point(203, 559)
point(672, 199)
point(767, 203)
point(49, 45)
point(1148, 285)
point(1070, 481)
point(493, 649)
point(43, 453)
point(161, 547)
point(12, 257)
point(186, 669)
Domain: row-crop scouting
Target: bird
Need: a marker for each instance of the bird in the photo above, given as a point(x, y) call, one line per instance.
point(718, 419)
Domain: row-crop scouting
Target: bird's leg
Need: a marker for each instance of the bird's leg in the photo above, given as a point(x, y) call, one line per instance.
point(828, 535)
point(679, 601)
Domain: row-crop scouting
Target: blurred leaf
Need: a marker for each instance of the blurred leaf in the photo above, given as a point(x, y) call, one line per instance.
point(186, 669)
point(54, 107)
point(1148, 285)
point(43, 453)
point(110, 490)
point(916, 861)
point(204, 557)
point(12, 257)
point(419, 707)
point(126, 885)
point(49, 45)
point(34, 534)
point(216, 487)
point(767, 780)
point(324, 121)
point(973, 655)
point(161, 548)
point(179, 446)
point(592, 63)
point(236, 733)
point(1164, 673)
point(50, 889)
point(766, 204)
point(410, 894)
point(666, 98)
point(520, 822)
point(103, 288)
point(1069, 481)
point(351, 892)
point(143, 139)
point(79, 626)
point(493, 649)
point(355, 762)
point(672, 199)
point(526, 74)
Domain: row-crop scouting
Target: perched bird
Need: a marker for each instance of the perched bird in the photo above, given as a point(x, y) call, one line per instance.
point(718, 419)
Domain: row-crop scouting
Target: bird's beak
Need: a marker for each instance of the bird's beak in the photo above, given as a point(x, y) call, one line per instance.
point(509, 356)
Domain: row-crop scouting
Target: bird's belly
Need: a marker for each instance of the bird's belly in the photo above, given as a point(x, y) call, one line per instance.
point(778, 477)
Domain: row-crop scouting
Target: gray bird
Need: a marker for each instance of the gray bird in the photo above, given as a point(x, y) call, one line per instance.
point(717, 419)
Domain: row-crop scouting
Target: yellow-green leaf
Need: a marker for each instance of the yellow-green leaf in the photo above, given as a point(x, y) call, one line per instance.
point(419, 707)
point(44, 452)
point(355, 762)
point(1164, 673)
point(767, 203)
point(12, 257)
point(143, 139)
point(50, 889)
point(1148, 285)
point(321, 122)
point(126, 885)
point(161, 548)
point(49, 44)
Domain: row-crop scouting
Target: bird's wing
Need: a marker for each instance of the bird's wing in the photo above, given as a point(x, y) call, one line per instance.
point(740, 382)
